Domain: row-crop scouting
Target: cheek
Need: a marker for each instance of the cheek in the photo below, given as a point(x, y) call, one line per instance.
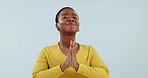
point(62, 22)
point(78, 23)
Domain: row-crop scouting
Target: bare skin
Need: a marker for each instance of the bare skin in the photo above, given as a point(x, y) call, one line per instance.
point(71, 58)
point(68, 26)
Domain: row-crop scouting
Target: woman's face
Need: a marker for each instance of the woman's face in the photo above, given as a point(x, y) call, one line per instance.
point(68, 21)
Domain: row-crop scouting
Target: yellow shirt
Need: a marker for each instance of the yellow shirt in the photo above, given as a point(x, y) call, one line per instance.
point(50, 58)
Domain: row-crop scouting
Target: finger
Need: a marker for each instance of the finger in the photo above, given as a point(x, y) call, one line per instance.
point(70, 46)
point(68, 54)
point(71, 43)
point(74, 56)
point(73, 49)
point(74, 61)
point(70, 58)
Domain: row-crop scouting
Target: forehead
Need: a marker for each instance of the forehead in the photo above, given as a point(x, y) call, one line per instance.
point(68, 11)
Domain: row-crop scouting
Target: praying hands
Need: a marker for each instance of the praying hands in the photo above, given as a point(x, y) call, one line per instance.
point(71, 58)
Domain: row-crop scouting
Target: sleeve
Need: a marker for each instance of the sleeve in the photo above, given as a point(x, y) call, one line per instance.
point(41, 69)
point(97, 69)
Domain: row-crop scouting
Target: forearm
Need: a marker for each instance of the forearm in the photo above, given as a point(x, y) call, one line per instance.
point(93, 72)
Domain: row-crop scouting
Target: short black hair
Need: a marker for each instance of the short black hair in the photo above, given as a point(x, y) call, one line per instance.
point(57, 15)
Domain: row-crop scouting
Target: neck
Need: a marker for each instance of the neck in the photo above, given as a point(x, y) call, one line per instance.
point(65, 39)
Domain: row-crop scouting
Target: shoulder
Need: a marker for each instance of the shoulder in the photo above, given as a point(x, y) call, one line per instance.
point(86, 46)
point(49, 48)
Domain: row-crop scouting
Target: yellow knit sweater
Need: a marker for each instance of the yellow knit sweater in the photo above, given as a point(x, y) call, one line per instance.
point(50, 58)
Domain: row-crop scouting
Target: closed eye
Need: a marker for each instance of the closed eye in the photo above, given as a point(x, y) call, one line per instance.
point(65, 16)
point(75, 17)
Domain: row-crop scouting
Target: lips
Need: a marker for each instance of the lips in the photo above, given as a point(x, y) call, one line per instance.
point(71, 24)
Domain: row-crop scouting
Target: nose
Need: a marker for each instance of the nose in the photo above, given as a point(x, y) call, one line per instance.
point(70, 20)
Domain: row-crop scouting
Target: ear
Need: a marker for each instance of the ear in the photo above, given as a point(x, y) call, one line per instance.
point(57, 26)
